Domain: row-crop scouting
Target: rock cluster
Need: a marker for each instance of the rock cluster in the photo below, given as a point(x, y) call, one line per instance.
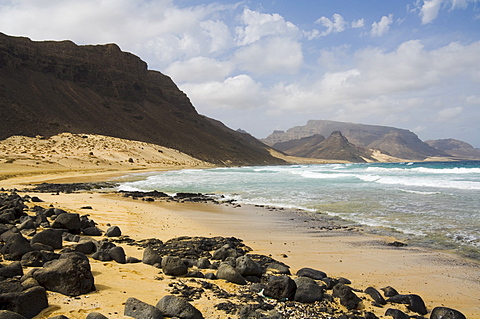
point(264, 287)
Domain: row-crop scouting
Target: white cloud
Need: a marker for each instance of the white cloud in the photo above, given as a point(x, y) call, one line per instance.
point(199, 69)
point(158, 31)
point(334, 25)
point(448, 114)
point(358, 23)
point(239, 92)
point(429, 10)
point(472, 100)
point(382, 27)
point(275, 55)
point(259, 25)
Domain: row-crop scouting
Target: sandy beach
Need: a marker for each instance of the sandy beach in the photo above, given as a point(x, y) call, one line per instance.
point(294, 238)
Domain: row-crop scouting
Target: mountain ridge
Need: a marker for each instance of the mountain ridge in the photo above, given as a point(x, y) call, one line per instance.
point(51, 87)
point(391, 141)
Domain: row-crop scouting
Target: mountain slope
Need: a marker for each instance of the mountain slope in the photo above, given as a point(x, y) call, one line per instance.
point(47, 88)
point(455, 148)
point(396, 142)
point(301, 147)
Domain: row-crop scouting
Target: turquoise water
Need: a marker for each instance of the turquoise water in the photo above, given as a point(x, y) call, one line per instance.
point(434, 203)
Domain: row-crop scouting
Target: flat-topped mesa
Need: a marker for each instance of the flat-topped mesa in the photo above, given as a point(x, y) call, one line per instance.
point(52, 87)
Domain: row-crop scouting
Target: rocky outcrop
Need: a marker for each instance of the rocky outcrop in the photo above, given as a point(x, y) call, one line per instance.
point(455, 148)
point(393, 141)
point(52, 87)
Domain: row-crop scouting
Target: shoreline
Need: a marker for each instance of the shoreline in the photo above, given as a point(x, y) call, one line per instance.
point(440, 278)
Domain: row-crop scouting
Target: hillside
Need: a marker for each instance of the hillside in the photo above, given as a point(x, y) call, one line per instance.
point(395, 142)
point(48, 88)
point(455, 148)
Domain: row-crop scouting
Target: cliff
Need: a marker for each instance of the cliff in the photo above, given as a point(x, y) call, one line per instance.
point(50, 87)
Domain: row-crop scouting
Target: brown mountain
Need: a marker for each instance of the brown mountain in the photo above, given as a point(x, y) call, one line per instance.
point(301, 147)
point(396, 142)
point(455, 148)
point(52, 87)
point(335, 147)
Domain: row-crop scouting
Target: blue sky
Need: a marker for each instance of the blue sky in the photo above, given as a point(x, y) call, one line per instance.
point(271, 65)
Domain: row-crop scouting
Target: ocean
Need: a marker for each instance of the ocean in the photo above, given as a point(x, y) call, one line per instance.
point(433, 204)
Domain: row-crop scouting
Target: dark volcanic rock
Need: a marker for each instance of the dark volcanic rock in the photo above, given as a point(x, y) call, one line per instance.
point(70, 222)
point(229, 273)
point(50, 237)
point(308, 293)
point(396, 314)
point(96, 315)
point(414, 302)
point(372, 292)
point(446, 313)
point(33, 259)
point(11, 270)
point(151, 257)
point(118, 254)
point(113, 231)
point(248, 267)
point(173, 266)
point(389, 291)
point(92, 231)
point(280, 288)
point(69, 275)
point(15, 247)
point(7, 314)
point(27, 303)
point(347, 297)
point(140, 310)
point(311, 273)
point(172, 306)
point(85, 246)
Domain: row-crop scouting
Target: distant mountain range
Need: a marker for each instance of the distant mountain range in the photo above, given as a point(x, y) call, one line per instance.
point(360, 140)
point(50, 87)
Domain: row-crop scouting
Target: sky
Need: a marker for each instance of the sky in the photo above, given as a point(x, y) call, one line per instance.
point(270, 65)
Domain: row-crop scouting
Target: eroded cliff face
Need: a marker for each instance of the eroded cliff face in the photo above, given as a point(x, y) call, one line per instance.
point(52, 87)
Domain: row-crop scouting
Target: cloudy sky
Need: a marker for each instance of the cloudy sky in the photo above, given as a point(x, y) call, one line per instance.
point(264, 65)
